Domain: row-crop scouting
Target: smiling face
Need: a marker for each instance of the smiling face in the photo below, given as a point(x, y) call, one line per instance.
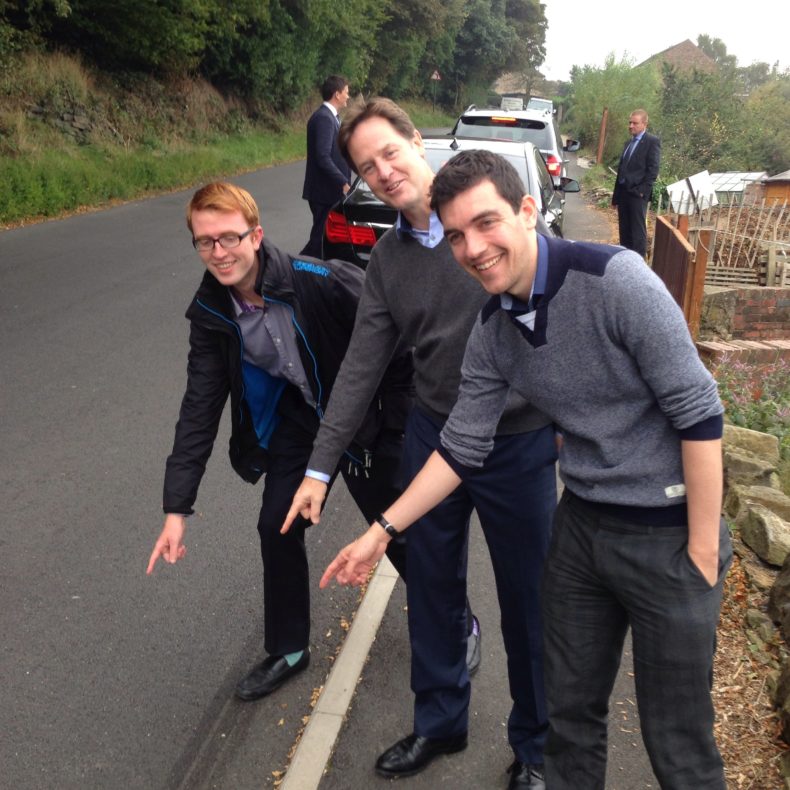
point(496, 245)
point(237, 267)
point(393, 167)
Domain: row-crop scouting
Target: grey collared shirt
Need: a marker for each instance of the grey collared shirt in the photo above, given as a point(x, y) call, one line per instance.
point(270, 342)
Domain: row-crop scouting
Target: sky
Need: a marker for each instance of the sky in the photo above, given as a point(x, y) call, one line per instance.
point(583, 33)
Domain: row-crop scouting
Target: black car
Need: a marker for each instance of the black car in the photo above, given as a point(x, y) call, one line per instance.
point(355, 223)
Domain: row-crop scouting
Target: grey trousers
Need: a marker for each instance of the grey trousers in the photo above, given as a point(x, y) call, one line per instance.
point(603, 575)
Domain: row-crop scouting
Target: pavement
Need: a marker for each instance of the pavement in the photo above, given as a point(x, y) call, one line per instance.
point(366, 704)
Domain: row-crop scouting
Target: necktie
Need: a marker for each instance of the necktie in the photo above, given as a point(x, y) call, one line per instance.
point(629, 150)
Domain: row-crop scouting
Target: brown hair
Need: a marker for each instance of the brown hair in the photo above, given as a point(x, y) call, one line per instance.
point(377, 107)
point(470, 168)
point(222, 196)
point(642, 114)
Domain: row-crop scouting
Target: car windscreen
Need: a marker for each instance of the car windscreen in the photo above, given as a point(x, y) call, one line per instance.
point(520, 130)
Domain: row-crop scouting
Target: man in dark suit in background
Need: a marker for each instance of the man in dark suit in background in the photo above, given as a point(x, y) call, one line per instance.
point(633, 189)
point(327, 175)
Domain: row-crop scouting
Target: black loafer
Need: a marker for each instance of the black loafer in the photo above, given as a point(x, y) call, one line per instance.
point(524, 776)
point(269, 675)
point(411, 754)
point(473, 647)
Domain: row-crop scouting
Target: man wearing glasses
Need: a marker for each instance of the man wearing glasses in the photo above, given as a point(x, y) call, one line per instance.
point(271, 330)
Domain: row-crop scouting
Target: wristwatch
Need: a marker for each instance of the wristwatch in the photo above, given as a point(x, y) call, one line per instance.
point(386, 526)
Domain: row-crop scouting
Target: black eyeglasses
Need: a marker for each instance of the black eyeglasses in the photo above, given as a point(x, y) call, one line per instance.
point(227, 241)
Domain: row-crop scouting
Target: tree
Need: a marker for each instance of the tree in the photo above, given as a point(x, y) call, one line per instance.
point(528, 20)
point(402, 45)
point(703, 124)
point(164, 36)
point(619, 87)
point(768, 114)
point(715, 48)
point(483, 48)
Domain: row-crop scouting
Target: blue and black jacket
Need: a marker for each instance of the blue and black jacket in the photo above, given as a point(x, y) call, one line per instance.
point(323, 297)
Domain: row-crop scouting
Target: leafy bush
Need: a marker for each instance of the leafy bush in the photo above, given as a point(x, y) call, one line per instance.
point(757, 397)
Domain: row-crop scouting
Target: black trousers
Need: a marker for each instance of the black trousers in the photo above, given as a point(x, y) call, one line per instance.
point(632, 222)
point(314, 245)
point(286, 582)
point(603, 576)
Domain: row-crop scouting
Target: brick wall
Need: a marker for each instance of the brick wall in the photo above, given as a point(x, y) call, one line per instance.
point(749, 323)
point(762, 314)
point(745, 313)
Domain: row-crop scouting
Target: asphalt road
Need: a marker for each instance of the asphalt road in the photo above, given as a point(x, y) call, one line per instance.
point(109, 678)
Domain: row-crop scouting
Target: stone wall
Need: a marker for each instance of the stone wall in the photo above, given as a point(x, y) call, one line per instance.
point(759, 512)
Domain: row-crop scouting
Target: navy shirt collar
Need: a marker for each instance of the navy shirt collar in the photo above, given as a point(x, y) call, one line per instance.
point(508, 302)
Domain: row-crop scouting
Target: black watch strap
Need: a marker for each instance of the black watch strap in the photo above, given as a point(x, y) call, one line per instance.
point(386, 526)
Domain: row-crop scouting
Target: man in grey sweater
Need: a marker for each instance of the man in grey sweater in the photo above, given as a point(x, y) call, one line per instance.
point(591, 336)
point(415, 291)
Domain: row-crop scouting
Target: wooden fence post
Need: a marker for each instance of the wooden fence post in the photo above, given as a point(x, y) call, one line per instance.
point(602, 135)
point(696, 284)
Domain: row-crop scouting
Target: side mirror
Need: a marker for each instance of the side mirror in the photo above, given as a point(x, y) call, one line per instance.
point(569, 185)
point(572, 145)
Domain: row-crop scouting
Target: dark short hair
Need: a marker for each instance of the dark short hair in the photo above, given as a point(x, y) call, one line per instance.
point(377, 107)
point(468, 169)
point(332, 84)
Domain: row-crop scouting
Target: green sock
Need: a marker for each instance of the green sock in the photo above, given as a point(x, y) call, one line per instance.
point(292, 658)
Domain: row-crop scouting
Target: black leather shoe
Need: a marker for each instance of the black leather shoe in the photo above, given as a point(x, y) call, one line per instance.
point(269, 675)
point(524, 775)
point(411, 754)
point(473, 647)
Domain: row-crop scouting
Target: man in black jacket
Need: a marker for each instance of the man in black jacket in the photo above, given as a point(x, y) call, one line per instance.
point(633, 188)
point(271, 330)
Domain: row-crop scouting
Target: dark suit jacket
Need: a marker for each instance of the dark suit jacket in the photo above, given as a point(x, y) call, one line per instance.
point(326, 170)
point(640, 171)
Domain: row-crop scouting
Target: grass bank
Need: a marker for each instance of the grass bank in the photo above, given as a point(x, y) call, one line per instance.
point(70, 139)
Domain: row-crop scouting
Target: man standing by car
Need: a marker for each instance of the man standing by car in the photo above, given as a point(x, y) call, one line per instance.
point(633, 188)
point(327, 175)
point(270, 331)
point(414, 291)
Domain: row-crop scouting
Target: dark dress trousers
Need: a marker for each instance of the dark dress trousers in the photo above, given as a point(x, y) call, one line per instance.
point(633, 188)
point(325, 174)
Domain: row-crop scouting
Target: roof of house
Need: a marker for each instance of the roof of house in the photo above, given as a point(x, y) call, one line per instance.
point(684, 56)
point(733, 181)
point(780, 177)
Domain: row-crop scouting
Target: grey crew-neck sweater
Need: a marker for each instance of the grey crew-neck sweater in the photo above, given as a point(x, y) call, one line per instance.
point(422, 298)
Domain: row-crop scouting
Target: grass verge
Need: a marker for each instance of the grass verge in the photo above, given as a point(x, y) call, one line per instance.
point(49, 182)
point(54, 182)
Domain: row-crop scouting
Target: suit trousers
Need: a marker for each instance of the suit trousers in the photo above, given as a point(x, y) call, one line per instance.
point(602, 576)
point(286, 578)
point(632, 222)
point(314, 246)
point(514, 494)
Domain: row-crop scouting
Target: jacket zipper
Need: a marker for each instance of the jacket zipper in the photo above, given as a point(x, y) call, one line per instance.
point(237, 329)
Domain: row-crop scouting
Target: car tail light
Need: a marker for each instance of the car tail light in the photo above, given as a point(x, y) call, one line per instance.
point(553, 165)
point(338, 231)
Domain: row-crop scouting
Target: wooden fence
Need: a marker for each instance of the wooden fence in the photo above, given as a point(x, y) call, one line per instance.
point(749, 243)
